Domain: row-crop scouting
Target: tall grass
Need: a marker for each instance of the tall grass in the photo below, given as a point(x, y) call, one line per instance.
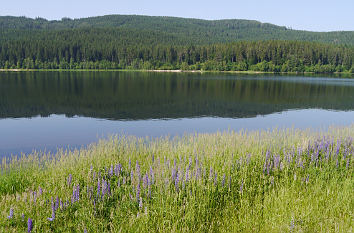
point(270, 181)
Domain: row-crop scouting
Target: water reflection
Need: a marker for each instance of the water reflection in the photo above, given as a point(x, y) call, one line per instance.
point(138, 95)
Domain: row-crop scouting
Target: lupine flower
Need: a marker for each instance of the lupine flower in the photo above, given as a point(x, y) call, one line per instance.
point(85, 230)
point(197, 174)
point(40, 191)
point(138, 192)
point(53, 212)
point(131, 176)
point(153, 158)
point(347, 165)
point(307, 179)
point(176, 181)
point(145, 180)
point(111, 171)
point(141, 203)
point(137, 169)
point(187, 174)
point(149, 185)
point(11, 214)
point(223, 180)
point(276, 161)
point(23, 217)
point(29, 225)
point(34, 197)
point(73, 197)
point(56, 203)
point(104, 188)
point(117, 169)
point(70, 179)
point(98, 188)
point(173, 176)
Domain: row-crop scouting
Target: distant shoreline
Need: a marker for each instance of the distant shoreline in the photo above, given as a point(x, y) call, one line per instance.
point(168, 71)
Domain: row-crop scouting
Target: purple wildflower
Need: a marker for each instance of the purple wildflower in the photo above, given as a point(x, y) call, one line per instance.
point(187, 174)
point(173, 176)
point(137, 169)
point(104, 187)
point(141, 203)
point(29, 225)
point(138, 192)
point(276, 161)
point(40, 191)
point(98, 188)
point(145, 180)
point(347, 166)
point(211, 173)
point(85, 230)
point(153, 158)
point(241, 187)
point(223, 180)
point(11, 214)
point(70, 178)
point(53, 212)
point(131, 176)
point(177, 181)
point(23, 217)
point(56, 203)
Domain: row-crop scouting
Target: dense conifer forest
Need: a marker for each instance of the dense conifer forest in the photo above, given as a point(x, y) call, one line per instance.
point(143, 42)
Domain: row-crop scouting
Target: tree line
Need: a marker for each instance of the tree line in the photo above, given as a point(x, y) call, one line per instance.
point(104, 48)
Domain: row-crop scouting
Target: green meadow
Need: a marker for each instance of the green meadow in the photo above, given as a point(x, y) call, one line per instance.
point(283, 180)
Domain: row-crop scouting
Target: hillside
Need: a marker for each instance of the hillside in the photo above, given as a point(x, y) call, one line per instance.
point(195, 31)
point(146, 42)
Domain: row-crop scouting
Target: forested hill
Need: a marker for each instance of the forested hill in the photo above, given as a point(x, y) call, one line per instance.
point(195, 31)
point(144, 42)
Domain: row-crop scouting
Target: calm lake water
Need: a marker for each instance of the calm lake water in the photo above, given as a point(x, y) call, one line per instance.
point(47, 110)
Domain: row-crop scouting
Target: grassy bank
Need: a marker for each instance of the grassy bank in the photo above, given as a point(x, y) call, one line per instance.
point(270, 181)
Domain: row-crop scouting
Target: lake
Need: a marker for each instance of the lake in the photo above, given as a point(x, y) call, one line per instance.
point(47, 110)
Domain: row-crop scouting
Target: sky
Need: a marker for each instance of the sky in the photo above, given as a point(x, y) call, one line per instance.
point(314, 15)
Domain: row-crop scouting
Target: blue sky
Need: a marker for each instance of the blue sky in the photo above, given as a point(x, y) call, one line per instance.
point(313, 15)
